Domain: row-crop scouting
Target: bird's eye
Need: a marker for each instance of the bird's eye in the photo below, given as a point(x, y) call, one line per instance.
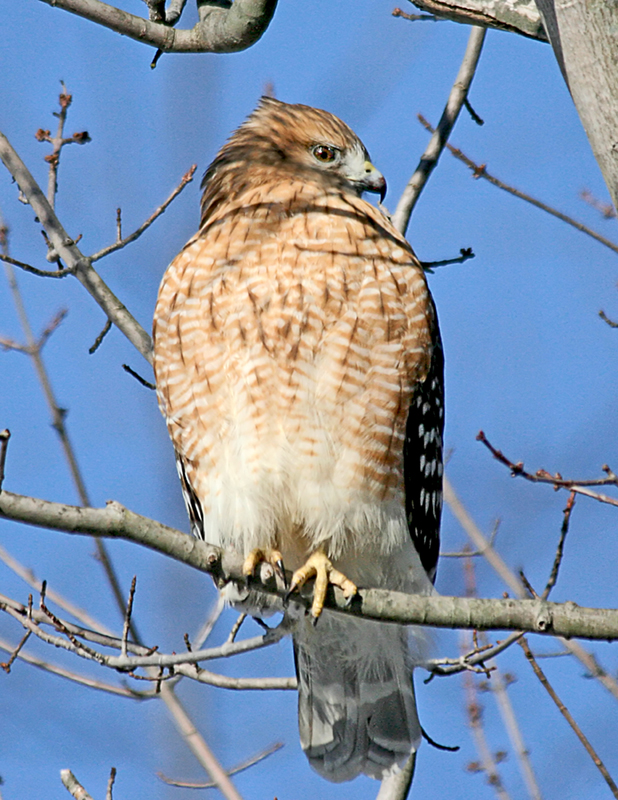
point(324, 153)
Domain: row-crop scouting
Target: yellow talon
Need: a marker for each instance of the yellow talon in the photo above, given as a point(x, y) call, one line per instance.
point(318, 565)
point(257, 556)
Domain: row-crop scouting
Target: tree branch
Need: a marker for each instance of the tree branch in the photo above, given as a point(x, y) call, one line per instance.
point(515, 16)
point(430, 157)
point(65, 248)
point(114, 520)
point(222, 27)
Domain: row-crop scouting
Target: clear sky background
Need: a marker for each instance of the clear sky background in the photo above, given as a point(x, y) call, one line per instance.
point(527, 360)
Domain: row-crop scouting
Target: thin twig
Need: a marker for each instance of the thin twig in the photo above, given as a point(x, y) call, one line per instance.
point(470, 661)
point(465, 255)
point(97, 342)
point(480, 171)
point(238, 768)
point(186, 178)
point(475, 117)
point(54, 669)
point(138, 377)
point(6, 665)
point(28, 576)
point(499, 566)
point(432, 153)
point(42, 273)
point(5, 435)
point(197, 744)
point(498, 686)
point(488, 763)
point(65, 248)
point(609, 321)
point(58, 415)
point(557, 481)
point(127, 619)
point(567, 715)
point(606, 210)
point(236, 627)
point(553, 577)
point(398, 12)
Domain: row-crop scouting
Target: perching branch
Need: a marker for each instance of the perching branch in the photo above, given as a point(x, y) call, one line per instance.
point(430, 157)
point(222, 28)
point(535, 616)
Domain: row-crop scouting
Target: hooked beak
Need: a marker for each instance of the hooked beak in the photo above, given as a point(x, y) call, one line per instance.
point(372, 181)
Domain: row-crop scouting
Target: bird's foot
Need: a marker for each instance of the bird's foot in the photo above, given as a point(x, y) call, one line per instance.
point(269, 557)
point(318, 565)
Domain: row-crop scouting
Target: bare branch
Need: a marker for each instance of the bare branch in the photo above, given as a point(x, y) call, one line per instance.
point(73, 786)
point(221, 29)
point(430, 157)
point(42, 273)
point(469, 661)
point(5, 435)
point(452, 612)
point(239, 768)
point(98, 341)
point(515, 16)
point(397, 786)
point(54, 669)
point(6, 666)
point(609, 321)
point(197, 744)
point(567, 715)
point(498, 564)
point(186, 178)
point(67, 250)
point(139, 378)
point(480, 171)
point(110, 783)
point(464, 255)
point(498, 685)
point(557, 481)
point(553, 576)
point(127, 620)
point(488, 763)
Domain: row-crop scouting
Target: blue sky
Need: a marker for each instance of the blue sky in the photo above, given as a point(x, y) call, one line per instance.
point(527, 360)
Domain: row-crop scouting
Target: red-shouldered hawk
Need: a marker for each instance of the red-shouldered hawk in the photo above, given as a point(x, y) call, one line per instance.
point(299, 369)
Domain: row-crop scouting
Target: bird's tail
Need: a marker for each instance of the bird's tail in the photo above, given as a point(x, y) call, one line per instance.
point(356, 707)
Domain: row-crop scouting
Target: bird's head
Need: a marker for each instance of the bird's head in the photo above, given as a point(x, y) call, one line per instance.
point(301, 142)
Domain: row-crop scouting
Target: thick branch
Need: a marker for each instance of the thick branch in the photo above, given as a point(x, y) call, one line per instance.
point(536, 616)
point(584, 37)
point(222, 28)
point(66, 249)
point(515, 16)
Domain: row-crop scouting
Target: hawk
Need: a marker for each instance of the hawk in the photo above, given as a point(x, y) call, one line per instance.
point(299, 369)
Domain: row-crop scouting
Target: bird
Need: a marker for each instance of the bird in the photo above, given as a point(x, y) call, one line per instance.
point(299, 368)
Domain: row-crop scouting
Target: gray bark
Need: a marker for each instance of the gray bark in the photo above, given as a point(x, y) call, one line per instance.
point(223, 27)
point(584, 36)
point(535, 616)
point(516, 16)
